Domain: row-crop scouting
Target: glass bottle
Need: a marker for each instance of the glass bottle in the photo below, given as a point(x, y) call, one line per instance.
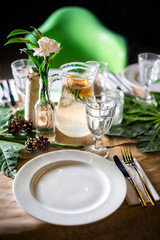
point(45, 112)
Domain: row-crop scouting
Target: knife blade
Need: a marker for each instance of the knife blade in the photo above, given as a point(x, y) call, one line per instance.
point(10, 93)
point(126, 174)
point(4, 98)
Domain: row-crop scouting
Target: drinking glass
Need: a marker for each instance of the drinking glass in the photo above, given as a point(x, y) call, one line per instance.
point(20, 69)
point(148, 70)
point(118, 95)
point(99, 113)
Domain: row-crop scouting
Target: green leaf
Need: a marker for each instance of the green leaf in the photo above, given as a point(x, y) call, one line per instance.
point(20, 40)
point(37, 33)
point(157, 81)
point(5, 114)
point(29, 52)
point(42, 67)
point(9, 152)
point(141, 120)
point(119, 130)
point(17, 32)
point(130, 130)
point(149, 141)
point(52, 56)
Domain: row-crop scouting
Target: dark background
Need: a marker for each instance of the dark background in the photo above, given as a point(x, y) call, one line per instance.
point(137, 21)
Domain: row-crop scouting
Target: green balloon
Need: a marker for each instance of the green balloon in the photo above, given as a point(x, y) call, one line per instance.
point(84, 38)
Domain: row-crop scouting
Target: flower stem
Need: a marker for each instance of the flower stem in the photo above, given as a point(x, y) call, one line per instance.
point(22, 141)
point(66, 145)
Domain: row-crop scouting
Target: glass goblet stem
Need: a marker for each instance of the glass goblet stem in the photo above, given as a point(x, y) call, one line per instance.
point(147, 97)
point(145, 93)
point(97, 141)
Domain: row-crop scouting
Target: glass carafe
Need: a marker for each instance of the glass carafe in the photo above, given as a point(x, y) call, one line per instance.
point(77, 84)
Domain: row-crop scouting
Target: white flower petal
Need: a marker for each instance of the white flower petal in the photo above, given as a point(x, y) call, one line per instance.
point(46, 46)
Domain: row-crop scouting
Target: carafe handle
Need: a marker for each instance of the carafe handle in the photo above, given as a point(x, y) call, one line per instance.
point(54, 77)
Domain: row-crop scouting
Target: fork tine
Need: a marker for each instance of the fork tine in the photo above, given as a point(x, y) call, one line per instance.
point(126, 154)
point(131, 154)
point(123, 155)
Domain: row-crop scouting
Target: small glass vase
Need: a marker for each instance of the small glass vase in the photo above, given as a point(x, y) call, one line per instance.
point(45, 112)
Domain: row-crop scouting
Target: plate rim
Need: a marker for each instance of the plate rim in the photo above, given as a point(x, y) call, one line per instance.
point(131, 66)
point(79, 218)
point(153, 87)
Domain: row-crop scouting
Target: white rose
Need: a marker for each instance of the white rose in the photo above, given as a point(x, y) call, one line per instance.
point(46, 46)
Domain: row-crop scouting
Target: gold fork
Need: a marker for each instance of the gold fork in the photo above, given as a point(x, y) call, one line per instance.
point(128, 159)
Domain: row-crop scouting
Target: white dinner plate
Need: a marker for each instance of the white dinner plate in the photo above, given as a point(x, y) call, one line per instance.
point(130, 75)
point(69, 187)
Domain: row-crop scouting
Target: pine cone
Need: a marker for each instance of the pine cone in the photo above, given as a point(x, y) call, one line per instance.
point(27, 126)
point(42, 143)
point(30, 144)
point(19, 123)
point(20, 120)
point(14, 128)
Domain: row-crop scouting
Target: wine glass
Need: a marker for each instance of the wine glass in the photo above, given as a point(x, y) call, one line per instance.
point(100, 110)
point(20, 70)
point(148, 70)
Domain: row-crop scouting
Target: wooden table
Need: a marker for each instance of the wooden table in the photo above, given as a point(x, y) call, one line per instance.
point(128, 222)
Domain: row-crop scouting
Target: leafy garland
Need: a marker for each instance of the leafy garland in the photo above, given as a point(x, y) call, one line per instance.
point(10, 145)
point(140, 120)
